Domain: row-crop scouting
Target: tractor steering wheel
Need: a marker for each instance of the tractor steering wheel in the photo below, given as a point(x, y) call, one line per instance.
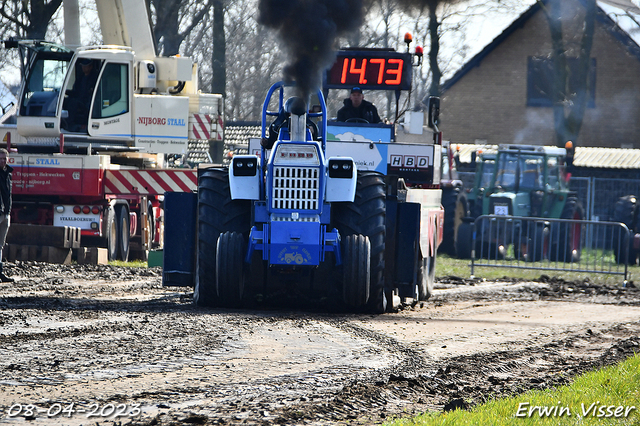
point(356, 120)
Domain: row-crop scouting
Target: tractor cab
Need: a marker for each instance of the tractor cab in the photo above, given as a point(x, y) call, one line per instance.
point(527, 181)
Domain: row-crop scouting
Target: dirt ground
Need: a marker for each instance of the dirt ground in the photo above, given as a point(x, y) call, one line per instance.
point(87, 345)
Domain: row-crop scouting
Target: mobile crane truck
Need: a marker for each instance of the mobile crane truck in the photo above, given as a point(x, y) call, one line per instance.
point(105, 168)
point(340, 211)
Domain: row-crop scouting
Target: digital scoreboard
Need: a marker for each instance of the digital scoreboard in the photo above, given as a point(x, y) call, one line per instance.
point(370, 69)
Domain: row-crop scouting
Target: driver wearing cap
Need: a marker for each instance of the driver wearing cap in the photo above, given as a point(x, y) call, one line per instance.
point(357, 109)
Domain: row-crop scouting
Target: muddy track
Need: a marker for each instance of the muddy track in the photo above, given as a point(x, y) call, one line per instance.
point(94, 337)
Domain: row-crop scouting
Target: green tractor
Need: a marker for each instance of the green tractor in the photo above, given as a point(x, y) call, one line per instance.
point(521, 181)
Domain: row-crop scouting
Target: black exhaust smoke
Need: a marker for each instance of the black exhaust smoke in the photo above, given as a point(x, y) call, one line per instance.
point(309, 29)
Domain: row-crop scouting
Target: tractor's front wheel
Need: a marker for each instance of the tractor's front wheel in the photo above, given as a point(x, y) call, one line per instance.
point(367, 216)
point(532, 246)
point(356, 270)
point(229, 269)
point(217, 213)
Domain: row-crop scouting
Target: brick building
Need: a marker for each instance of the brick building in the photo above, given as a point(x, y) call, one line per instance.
point(492, 99)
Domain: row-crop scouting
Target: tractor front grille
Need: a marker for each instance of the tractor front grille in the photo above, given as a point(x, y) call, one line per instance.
point(295, 188)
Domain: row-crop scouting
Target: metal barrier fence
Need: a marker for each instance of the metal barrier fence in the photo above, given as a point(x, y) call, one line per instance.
point(547, 244)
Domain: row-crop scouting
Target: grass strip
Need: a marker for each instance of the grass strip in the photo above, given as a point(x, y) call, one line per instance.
point(609, 396)
point(450, 266)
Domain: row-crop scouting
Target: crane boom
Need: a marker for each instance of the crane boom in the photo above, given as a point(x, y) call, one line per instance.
point(120, 23)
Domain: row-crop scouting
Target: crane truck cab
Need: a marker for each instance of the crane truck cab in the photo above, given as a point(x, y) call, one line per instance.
point(116, 105)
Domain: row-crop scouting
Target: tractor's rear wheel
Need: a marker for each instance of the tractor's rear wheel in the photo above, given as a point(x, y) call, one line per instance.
point(217, 213)
point(366, 216)
point(229, 269)
point(568, 247)
point(356, 270)
point(625, 211)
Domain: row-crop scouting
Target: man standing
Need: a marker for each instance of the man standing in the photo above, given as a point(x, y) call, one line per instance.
point(5, 206)
point(355, 107)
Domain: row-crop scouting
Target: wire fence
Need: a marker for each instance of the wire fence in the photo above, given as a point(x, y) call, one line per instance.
point(547, 244)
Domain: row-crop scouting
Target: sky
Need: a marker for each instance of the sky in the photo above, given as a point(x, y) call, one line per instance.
point(5, 98)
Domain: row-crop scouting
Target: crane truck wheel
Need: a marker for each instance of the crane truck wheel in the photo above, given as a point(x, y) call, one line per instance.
point(122, 216)
point(112, 234)
point(356, 270)
point(151, 224)
point(217, 213)
point(569, 235)
point(230, 252)
point(366, 216)
point(625, 211)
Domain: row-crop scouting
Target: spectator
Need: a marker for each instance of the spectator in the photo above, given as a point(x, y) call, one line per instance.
point(357, 109)
point(5, 206)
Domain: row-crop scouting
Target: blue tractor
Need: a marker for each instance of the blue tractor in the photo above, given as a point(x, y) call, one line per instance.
point(288, 220)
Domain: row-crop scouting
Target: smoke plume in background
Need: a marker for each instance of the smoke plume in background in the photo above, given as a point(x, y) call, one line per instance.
point(309, 29)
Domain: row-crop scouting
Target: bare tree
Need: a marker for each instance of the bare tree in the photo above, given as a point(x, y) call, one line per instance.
point(174, 19)
point(253, 61)
point(29, 19)
point(218, 59)
point(569, 100)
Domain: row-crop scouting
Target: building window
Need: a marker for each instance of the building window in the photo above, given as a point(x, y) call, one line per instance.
point(540, 81)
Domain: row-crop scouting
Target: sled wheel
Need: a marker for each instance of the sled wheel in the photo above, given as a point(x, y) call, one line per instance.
point(112, 234)
point(450, 204)
point(366, 216)
point(229, 269)
point(356, 270)
point(217, 213)
point(464, 240)
point(625, 211)
point(124, 230)
point(426, 277)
